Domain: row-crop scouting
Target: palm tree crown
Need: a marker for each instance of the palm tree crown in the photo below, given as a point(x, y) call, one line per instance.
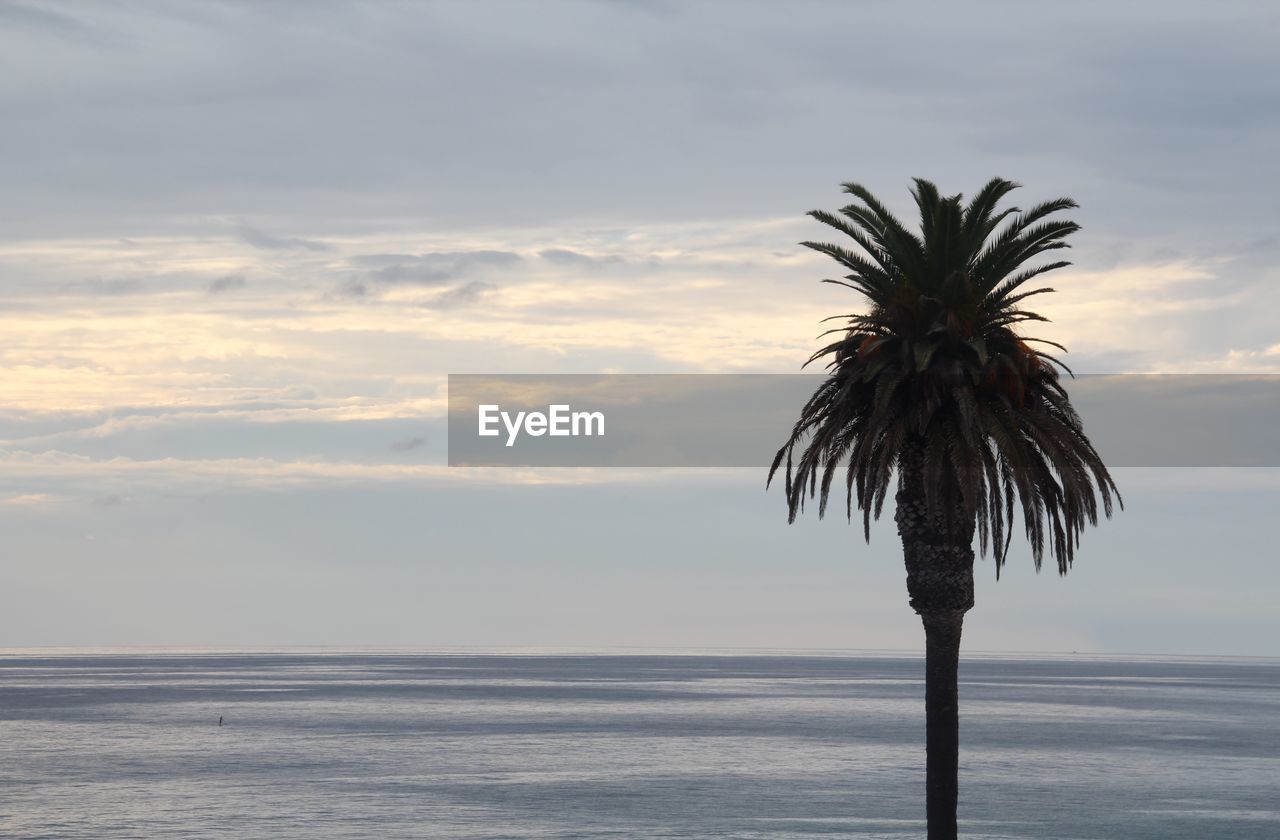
point(933, 378)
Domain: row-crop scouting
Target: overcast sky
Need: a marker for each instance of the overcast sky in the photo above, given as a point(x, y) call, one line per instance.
point(242, 244)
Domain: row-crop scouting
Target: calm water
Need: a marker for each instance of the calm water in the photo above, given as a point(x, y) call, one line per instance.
point(344, 745)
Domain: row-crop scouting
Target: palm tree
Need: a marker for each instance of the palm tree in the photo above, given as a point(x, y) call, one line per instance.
point(933, 383)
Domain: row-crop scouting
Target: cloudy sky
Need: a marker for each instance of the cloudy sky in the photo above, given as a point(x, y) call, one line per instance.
point(242, 245)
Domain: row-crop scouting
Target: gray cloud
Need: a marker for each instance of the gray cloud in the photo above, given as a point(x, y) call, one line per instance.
point(261, 239)
point(568, 258)
point(227, 283)
point(1155, 107)
point(152, 435)
point(464, 295)
point(434, 269)
point(469, 292)
point(409, 444)
point(107, 286)
point(415, 274)
point(351, 288)
point(437, 268)
point(301, 392)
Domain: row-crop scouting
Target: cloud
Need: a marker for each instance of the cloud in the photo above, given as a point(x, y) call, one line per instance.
point(352, 288)
point(568, 258)
point(28, 499)
point(464, 295)
point(261, 239)
point(434, 269)
point(226, 283)
point(380, 273)
point(548, 127)
point(408, 445)
point(417, 274)
point(66, 475)
point(439, 194)
point(38, 17)
point(107, 286)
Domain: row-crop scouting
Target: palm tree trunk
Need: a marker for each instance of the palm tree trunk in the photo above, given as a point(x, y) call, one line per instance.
point(942, 721)
point(937, 545)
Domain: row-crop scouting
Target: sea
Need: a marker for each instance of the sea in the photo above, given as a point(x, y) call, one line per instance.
point(707, 744)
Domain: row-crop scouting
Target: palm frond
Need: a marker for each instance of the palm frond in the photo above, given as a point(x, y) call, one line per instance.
point(932, 382)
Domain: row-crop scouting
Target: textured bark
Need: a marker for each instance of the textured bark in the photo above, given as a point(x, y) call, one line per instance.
point(937, 545)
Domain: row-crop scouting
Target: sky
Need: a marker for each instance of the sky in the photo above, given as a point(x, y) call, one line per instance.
point(242, 246)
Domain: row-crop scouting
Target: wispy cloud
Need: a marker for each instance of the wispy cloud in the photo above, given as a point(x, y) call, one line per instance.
point(261, 239)
point(28, 499)
point(576, 259)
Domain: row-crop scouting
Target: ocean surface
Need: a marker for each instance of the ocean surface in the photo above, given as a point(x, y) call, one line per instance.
point(392, 745)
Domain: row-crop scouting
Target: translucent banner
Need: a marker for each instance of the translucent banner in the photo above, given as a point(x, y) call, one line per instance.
point(740, 420)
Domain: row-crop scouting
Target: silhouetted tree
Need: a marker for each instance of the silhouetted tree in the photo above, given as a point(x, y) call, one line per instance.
point(932, 383)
